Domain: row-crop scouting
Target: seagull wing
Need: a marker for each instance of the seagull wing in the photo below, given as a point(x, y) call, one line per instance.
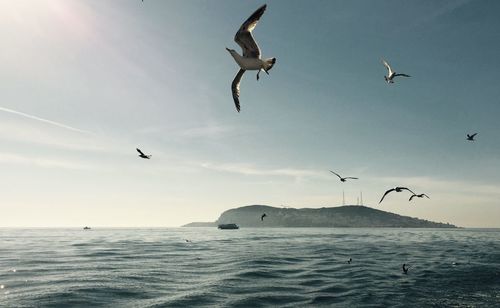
point(244, 36)
point(336, 174)
point(425, 196)
point(403, 75)
point(235, 88)
point(140, 152)
point(473, 135)
point(388, 67)
point(412, 196)
point(350, 177)
point(404, 188)
point(390, 190)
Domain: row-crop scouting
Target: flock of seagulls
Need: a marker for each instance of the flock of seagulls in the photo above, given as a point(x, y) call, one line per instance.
point(251, 59)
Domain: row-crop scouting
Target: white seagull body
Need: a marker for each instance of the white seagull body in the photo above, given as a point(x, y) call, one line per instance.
point(390, 73)
point(251, 58)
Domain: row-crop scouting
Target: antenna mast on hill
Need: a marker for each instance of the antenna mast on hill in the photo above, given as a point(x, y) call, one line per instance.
point(343, 198)
point(361, 195)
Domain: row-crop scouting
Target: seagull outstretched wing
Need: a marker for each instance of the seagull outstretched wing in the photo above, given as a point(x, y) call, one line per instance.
point(140, 152)
point(235, 88)
point(385, 194)
point(244, 36)
point(412, 196)
point(336, 174)
point(388, 67)
point(403, 75)
point(350, 177)
point(404, 188)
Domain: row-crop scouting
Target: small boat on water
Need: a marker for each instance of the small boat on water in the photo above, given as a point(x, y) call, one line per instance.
point(228, 226)
point(86, 228)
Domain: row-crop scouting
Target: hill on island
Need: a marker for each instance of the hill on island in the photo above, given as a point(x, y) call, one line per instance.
point(328, 217)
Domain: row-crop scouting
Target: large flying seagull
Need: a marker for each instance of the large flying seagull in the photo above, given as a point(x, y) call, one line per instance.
point(251, 54)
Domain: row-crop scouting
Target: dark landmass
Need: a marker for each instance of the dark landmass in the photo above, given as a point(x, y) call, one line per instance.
point(349, 216)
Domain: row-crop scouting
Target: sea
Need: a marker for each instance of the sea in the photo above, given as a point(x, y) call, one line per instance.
point(249, 267)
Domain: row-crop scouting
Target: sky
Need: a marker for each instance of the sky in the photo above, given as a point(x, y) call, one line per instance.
point(83, 83)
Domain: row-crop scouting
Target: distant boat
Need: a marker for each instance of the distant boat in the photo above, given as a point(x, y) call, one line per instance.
point(228, 226)
point(86, 228)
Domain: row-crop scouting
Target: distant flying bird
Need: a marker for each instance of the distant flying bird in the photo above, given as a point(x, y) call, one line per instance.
point(142, 155)
point(396, 189)
point(418, 196)
point(343, 179)
point(405, 268)
point(349, 261)
point(391, 74)
point(262, 217)
point(251, 54)
point(471, 137)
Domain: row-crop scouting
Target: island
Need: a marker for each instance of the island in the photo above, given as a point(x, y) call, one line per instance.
point(349, 216)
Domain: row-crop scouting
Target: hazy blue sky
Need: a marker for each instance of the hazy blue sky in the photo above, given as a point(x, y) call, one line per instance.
point(115, 75)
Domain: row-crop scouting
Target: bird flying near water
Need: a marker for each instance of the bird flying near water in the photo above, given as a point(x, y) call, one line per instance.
point(262, 217)
point(418, 196)
point(471, 137)
point(406, 268)
point(142, 155)
point(251, 58)
point(343, 179)
point(391, 74)
point(396, 189)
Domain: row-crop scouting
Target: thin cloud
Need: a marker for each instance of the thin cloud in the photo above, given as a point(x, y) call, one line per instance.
point(41, 162)
point(29, 116)
point(248, 169)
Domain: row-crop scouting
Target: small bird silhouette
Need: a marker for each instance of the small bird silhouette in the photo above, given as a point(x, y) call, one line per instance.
point(349, 261)
point(471, 137)
point(396, 189)
point(405, 268)
point(142, 155)
point(418, 196)
point(391, 74)
point(262, 217)
point(343, 179)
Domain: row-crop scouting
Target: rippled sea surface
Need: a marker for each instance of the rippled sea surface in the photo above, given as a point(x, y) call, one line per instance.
point(249, 267)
